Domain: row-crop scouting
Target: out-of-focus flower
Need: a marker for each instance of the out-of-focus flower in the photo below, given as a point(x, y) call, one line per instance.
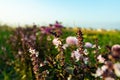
point(65, 46)
point(69, 78)
point(33, 37)
point(19, 52)
point(88, 45)
point(33, 52)
point(99, 47)
point(116, 67)
point(85, 60)
point(99, 72)
point(109, 78)
point(116, 50)
point(56, 41)
point(76, 55)
point(41, 64)
point(104, 67)
point(86, 52)
point(37, 53)
point(101, 59)
point(71, 40)
point(94, 46)
point(58, 25)
point(35, 61)
point(46, 30)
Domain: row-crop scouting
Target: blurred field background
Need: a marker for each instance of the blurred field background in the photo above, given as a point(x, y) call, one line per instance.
point(7, 70)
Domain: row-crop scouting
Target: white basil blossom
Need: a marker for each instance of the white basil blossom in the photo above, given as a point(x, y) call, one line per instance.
point(99, 72)
point(56, 42)
point(19, 52)
point(37, 53)
point(76, 55)
point(85, 60)
point(104, 67)
point(101, 59)
point(41, 64)
point(32, 51)
point(86, 52)
point(69, 78)
point(65, 46)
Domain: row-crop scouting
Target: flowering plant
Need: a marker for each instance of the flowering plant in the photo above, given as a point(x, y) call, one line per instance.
point(46, 56)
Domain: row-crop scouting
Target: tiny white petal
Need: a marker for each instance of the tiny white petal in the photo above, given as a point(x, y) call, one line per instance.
point(104, 67)
point(101, 59)
point(99, 72)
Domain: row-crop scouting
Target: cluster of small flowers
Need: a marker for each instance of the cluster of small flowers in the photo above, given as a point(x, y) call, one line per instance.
point(56, 42)
point(33, 52)
point(108, 70)
point(77, 55)
point(111, 68)
point(35, 61)
point(49, 29)
point(72, 40)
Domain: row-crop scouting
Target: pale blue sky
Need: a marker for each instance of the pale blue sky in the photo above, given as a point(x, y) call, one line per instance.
point(86, 13)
